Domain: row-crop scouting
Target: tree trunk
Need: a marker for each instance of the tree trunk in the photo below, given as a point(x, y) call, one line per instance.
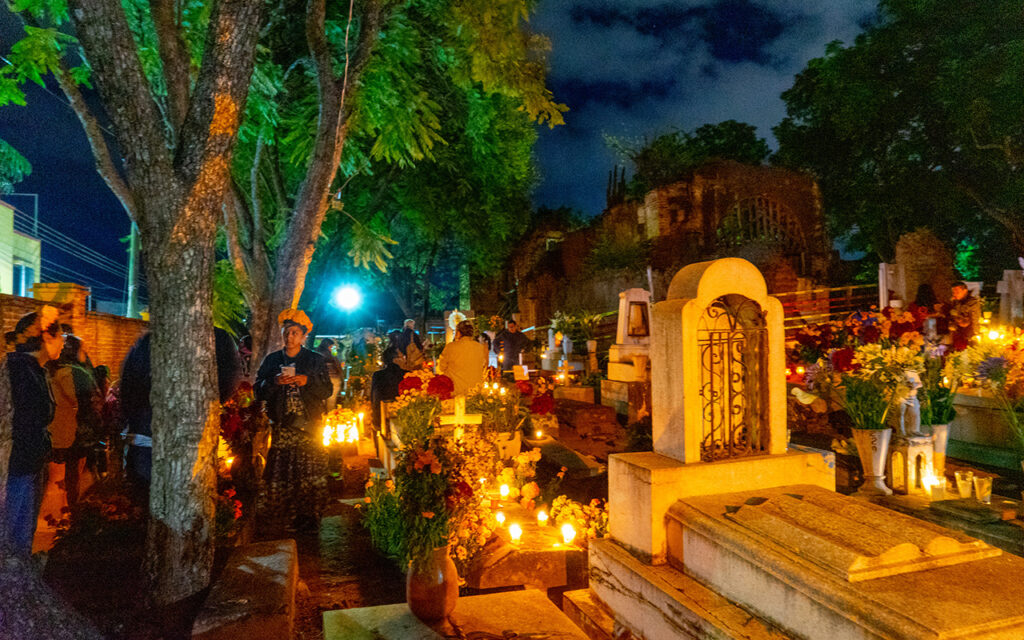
point(263, 330)
point(179, 544)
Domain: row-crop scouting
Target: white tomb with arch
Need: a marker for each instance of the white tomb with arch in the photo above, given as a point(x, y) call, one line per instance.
point(628, 357)
point(718, 405)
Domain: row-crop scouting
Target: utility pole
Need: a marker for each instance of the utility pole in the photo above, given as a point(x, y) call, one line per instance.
point(133, 273)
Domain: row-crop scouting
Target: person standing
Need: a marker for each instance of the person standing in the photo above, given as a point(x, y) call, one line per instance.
point(411, 346)
point(74, 430)
point(295, 385)
point(464, 359)
point(385, 381)
point(334, 369)
point(137, 413)
point(964, 316)
point(509, 344)
point(38, 340)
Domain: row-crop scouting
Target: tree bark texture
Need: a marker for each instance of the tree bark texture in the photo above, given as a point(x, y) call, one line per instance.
point(178, 184)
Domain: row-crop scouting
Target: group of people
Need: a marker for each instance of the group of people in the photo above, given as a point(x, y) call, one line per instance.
point(958, 319)
point(63, 413)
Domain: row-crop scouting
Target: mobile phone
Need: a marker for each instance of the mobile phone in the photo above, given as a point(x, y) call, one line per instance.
point(288, 370)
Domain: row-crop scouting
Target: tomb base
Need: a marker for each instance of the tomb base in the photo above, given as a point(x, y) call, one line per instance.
point(627, 398)
point(849, 570)
point(649, 483)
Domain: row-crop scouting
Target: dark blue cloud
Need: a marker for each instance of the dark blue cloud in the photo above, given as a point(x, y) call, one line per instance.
point(636, 68)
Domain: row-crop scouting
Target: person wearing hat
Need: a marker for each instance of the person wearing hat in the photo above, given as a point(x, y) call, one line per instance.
point(294, 384)
point(37, 340)
point(464, 359)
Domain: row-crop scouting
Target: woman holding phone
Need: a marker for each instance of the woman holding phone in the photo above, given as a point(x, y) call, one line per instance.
point(294, 384)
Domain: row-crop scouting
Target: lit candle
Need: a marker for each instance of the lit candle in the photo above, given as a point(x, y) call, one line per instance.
point(538, 434)
point(229, 462)
point(542, 517)
point(503, 390)
point(568, 533)
point(800, 370)
point(515, 532)
point(327, 434)
point(993, 335)
point(500, 517)
point(503, 490)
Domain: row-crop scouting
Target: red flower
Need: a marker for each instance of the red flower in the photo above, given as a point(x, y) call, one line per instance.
point(441, 387)
point(524, 387)
point(409, 383)
point(542, 405)
point(870, 334)
point(842, 360)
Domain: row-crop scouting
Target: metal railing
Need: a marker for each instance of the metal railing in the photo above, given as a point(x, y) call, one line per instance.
point(823, 305)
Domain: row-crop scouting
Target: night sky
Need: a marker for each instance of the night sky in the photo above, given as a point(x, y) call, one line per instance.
point(627, 68)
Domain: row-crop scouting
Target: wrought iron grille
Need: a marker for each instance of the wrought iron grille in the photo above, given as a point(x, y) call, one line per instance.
point(732, 340)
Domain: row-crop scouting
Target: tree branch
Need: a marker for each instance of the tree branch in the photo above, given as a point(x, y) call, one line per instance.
point(106, 39)
point(311, 203)
point(174, 57)
point(218, 101)
point(94, 134)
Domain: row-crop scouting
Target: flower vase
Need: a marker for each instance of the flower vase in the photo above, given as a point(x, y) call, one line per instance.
point(432, 589)
point(873, 450)
point(940, 438)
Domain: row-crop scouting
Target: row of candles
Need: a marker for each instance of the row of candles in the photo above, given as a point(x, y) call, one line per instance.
point(343, 431)
point(515, 530)
point(935, 486)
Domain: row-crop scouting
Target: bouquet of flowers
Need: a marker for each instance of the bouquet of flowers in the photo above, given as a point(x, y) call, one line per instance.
point(499, 405)
point(415, 411)
point(590, 520)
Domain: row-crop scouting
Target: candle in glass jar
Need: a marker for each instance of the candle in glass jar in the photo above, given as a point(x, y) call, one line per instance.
point(568, 533)
point(515, 532)
point(542, 517)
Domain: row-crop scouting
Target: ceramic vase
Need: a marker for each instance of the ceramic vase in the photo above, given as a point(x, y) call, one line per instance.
point(873, 450)
point(940, 438)
point(432, 589)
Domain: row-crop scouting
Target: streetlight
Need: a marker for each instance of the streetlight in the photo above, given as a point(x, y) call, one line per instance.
point(347, 297)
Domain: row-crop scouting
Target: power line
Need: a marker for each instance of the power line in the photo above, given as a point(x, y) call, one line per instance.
point(70, 245)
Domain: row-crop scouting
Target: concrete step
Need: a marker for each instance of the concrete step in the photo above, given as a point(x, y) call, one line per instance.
point(589, 614)
point(254, 596)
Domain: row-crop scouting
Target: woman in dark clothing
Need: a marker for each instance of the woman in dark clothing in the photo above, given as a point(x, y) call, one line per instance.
point(295, 385)
point(384, 383)
point(38, 340)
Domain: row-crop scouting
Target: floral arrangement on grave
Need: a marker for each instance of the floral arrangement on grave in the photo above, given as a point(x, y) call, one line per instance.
point(537, 396)
point(578, 326)
point(889, 327)
point(241, 418)
point(1002, 373)
point(499, 405)
point(420, 394)
point(519, 478)
point(227, 513)
point(588, 521)
point(435, 500)
point(940, 379)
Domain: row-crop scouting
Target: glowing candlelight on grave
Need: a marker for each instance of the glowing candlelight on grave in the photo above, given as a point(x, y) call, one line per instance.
point(500, 517)
point(230, 461)
point(328, 434)
point(801, 370)
point(993, 335)
point(483, 480)
point(503, 490)
point(361, 416)
point(538, 434)
point(568, 533)
point(515, 532)
point(542, 517)
point(503, 390)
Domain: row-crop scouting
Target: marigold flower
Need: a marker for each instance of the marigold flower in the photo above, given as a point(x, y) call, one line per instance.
point(428, 514)
point(366, 499)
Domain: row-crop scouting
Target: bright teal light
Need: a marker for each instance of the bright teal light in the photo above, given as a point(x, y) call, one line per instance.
point(347, 297)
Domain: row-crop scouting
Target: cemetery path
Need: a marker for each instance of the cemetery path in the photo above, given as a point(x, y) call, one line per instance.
point(339, 568)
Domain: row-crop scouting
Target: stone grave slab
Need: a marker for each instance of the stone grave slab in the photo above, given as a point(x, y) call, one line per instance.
point(254, 596)
point(823, 576)
point(586, 418)
point(539, 561)
point(523, 614)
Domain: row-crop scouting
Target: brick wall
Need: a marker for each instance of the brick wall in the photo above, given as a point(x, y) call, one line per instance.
point(107, 337)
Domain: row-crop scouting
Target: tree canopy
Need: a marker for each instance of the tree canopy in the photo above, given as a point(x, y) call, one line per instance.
point(670, 157)
point(919, 123)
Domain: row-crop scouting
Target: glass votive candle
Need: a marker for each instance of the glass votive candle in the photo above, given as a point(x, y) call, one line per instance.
point(568, 533)
point(938, 489)
point(503, 490)
point(964, 480)
point(542, 517)
point(515, 532)
point(983, 488)
point(500, 517)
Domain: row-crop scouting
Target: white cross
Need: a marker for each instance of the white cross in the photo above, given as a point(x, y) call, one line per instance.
point(460, 417)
